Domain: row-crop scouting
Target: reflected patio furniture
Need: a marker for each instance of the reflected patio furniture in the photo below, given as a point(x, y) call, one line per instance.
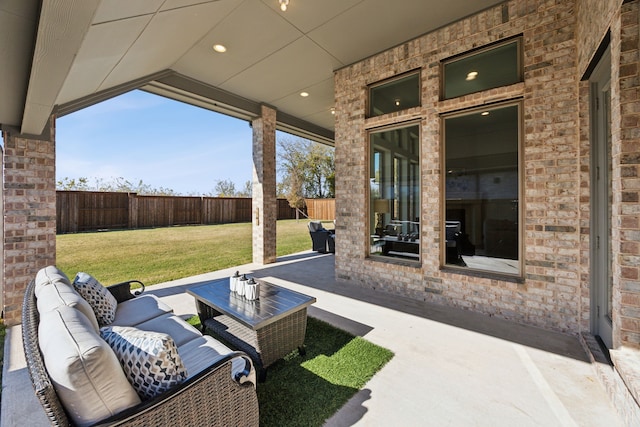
point(453, 234)
point(322, 240)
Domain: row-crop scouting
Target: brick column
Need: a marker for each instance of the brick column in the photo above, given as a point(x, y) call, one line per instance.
point(29, 208)
point(264, 204)
point(626, 176)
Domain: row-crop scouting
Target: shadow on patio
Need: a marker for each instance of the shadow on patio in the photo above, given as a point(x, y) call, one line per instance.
point(451, 367)
point(312, 270)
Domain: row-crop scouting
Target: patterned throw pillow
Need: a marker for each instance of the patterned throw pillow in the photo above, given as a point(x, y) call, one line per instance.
point(150, 360)
point(103, 303)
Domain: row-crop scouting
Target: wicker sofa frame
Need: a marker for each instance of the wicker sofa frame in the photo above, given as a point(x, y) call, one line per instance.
point(211, 397)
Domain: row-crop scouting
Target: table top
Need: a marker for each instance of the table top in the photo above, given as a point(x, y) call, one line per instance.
point(274, 303)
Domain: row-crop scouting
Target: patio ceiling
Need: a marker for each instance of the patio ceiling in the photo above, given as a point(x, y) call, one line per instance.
point(63, 55)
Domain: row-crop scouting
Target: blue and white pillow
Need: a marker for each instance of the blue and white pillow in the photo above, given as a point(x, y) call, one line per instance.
point(150, 360)
point(102, 302)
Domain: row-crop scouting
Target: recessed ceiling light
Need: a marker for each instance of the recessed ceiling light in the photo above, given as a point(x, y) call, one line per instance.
point(472, 75)
point(219, 48)
point(283, 5)
point(484, 113)
point(304, 94)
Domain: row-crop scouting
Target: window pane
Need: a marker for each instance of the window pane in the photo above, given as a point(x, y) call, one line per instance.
point(395, 193)
point(488, 69)
point(481, 190)
point(396, 95)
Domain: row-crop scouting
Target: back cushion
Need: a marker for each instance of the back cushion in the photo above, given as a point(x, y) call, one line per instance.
point(315, 226)
point(54, 290)
point(84, 370)
point(50, 274)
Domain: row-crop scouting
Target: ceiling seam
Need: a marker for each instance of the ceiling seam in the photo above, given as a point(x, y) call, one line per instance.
point(153, 15)
point(264, 57)
point(207, 33)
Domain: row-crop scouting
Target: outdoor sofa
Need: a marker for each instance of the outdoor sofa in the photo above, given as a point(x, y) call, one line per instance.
point(146, 367)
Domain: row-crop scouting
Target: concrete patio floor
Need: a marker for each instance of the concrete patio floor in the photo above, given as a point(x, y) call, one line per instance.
point(451, 367)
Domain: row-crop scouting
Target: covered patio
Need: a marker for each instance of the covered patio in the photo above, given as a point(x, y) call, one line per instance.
point(451, 367)
point(559, 246)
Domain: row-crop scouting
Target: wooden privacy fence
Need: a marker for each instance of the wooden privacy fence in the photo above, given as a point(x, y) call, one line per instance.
point(321, 208)
point(79, 211)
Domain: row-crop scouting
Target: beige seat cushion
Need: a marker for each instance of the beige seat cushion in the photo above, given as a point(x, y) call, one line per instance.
point(172, 325)
point(200, 353)
point(53, 289)
point(139, 309)
point(84, 370)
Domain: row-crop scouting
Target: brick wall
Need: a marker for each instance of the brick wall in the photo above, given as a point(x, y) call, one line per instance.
point(551, 294)
point(594, 19)
point(626, 177)
point(29, 214)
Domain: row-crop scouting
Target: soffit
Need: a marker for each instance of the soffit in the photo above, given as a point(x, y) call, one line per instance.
point(272, 55)
point(18, 20)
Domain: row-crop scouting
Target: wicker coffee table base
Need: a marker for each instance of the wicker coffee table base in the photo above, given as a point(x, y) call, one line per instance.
point(265, 345)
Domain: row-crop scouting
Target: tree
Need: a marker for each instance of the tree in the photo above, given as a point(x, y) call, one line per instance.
point(71, 184)
point(225, 188)
point(247, 191)
point(119, 184)
point(307, 169)
point(320, 173)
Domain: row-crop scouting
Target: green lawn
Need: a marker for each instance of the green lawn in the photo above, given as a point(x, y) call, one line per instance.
point(162, 254)
point(307, 390)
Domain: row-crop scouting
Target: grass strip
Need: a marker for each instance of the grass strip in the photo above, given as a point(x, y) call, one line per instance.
point(307, 390)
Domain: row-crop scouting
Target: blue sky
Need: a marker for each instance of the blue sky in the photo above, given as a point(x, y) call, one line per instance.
point(164, 143)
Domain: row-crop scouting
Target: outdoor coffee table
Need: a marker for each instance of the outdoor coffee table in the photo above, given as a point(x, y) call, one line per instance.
point(267, 329)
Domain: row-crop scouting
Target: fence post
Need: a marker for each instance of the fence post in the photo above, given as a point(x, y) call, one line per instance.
point(133, 210)
point(73, 203)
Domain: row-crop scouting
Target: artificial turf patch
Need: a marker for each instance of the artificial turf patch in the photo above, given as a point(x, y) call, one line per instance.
point(307, 390)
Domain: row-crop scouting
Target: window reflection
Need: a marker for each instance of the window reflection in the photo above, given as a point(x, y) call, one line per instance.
point(394, 95)
point(395, 193)
point(487, 69)
point(481, 190)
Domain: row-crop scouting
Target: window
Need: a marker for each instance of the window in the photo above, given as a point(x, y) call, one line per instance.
point(394, 208)
point(394, 95)
point(487, 69)
point(482, 187)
